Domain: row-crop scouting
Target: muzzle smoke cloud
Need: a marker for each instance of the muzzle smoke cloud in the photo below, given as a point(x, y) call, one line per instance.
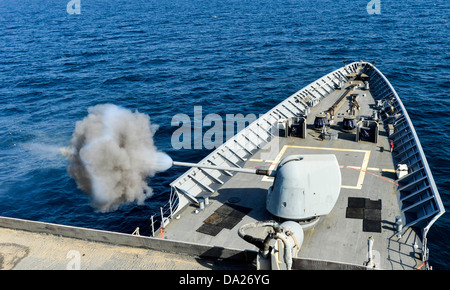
point(111, 155)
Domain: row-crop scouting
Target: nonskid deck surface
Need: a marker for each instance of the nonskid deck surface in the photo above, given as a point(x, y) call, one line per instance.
point(367, 205)
point(25, 250)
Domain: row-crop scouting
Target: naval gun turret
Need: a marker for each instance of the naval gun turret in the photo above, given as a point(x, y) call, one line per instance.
point(305, 186)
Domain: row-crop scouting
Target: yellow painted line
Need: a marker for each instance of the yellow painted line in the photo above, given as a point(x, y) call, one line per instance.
point(351, 187)
point(362, 169)
point(258, 160)
point(255, 160)
point(349, 166)
point(275, 162)
point(324, 148)
point(362, 173)
point(368, 168)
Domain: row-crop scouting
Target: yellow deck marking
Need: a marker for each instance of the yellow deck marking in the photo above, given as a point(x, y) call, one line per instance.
point(368, 168)
point(362, 172)
point(275, 163)
point(258, 160)
point(349, 166)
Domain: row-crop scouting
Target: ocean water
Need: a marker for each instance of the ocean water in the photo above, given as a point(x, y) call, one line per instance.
point(163, 57)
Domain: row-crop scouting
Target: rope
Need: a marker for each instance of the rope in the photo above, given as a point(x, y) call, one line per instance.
point(418, 268)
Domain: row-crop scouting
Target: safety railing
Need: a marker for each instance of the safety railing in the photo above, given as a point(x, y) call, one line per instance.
point(158, 221)
point(420, 202)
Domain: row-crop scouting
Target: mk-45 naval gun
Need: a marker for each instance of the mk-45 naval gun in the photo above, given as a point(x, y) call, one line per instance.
point(304, 187)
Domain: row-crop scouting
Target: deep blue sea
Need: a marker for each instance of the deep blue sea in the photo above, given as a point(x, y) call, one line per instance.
point(163, 57)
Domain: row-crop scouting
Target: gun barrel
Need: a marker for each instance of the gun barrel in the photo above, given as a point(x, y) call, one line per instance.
point(243, 170)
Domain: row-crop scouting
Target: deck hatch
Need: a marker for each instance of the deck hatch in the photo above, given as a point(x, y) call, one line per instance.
point(367, 210)
point(226, 216)
point(371, 226)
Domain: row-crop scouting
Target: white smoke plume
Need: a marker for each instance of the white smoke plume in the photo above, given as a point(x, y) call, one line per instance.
point(111, 155)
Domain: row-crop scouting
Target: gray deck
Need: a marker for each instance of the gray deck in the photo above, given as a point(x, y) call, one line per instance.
point(367, 172)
